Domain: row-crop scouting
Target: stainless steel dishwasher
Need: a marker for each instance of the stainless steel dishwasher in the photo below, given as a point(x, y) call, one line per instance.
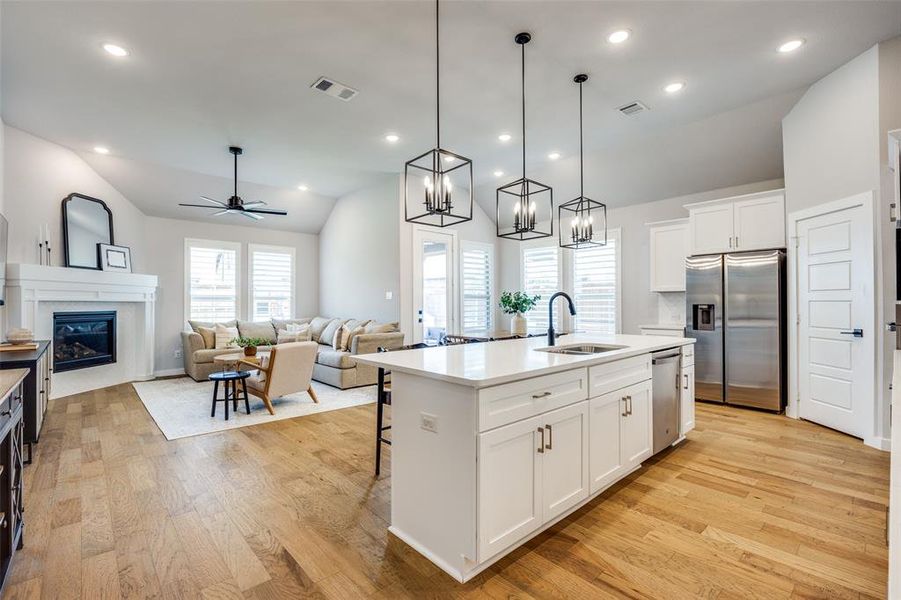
point(666, 405)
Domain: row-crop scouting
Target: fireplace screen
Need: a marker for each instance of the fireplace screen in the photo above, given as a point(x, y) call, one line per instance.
point(83, 339)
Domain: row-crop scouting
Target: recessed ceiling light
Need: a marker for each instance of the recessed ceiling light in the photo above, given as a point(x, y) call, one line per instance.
point(115, 50)
point(303, 187)
point(554, 155)
point(505, 137)
point(101, 149)
point(618, 37)
point(392, 138)
point(674, 87)
point(498, 173)
point(791, 46)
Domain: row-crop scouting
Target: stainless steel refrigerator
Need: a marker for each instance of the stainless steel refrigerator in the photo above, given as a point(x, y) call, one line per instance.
point(736, 312)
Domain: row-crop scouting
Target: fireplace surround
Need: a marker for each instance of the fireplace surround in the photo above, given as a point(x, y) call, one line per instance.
point(83, 339)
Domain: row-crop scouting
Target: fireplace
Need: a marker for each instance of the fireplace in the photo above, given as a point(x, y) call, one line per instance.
point(83, 339)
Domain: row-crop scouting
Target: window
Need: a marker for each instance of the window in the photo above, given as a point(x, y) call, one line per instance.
point(595, 273)
point(476, 268)
point(540, 276)
point(211, 280)
point(271, 282)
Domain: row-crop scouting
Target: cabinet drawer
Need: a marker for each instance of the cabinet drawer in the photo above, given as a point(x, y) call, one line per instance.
point(511, 402)
point(688, 355)
point(619, 374)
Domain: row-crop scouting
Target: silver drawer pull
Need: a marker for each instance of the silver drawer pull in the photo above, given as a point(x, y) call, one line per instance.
point(541, 445)
point(686, 380)
point(541, 395)
point(550, 438)
point(625, 406)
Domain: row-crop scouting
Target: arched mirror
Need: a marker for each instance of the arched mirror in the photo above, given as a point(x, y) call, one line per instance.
point(86, 222)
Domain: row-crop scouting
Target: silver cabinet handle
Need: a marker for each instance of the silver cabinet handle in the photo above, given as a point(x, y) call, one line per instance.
point(686, 380)
point(730, 241)
point(625, 406)
point(541, 395)
point(630, 404)
point(736, 241)
point(550, 438)
point(541, 445)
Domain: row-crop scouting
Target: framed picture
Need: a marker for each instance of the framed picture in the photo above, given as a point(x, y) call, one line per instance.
point(114, 258)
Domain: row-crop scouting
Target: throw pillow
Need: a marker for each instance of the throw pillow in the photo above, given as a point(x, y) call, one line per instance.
point(344, 336)
point(317, 325)
point(224, 337)
point(374, 327)
point(280, 324)
point(302, 333)
point(253, 329)
point(328, 334)
point(211, 324)
point(209, 336)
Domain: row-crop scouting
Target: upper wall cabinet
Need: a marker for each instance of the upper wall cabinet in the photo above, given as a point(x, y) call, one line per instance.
point(669, 245)
point(752, 222)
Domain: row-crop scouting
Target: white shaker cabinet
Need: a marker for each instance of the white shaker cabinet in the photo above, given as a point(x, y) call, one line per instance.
point(637, 424)
point(687, 398)
point(743, 223)
point(668, 245)
point(564, 472)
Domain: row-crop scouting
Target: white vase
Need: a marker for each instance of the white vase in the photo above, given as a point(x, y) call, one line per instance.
point(518, 324)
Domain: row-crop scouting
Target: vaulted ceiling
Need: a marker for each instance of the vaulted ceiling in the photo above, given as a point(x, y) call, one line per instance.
point(203, 75)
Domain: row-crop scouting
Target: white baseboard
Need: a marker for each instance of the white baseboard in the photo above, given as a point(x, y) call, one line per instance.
point(168, 372)
point(880, 443)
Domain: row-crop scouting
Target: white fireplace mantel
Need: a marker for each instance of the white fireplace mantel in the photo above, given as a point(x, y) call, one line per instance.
point(32, 289)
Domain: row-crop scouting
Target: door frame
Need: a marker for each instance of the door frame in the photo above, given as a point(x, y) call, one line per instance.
point(453, 312)
point(792, 409)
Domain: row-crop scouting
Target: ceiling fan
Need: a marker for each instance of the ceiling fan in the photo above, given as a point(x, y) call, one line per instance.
point(235, 204)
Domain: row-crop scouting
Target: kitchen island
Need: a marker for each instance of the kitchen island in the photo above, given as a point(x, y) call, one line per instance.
point(494, 442)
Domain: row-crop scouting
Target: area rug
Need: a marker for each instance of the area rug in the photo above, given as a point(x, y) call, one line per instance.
point(181, 406)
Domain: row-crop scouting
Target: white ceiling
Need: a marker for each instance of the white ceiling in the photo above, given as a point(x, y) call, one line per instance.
point(204, 75)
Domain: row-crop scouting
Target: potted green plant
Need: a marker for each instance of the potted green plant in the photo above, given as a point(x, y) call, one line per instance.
point(517, 303)
point(250, 344)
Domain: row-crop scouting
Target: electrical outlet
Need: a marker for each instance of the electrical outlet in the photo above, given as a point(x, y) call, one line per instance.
point(177, 353)
point(389, 295)
point(428, 422)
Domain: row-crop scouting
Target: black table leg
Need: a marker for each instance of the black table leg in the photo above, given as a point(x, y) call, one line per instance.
point(215, 393)
point(235, 396)
point(246, 401)
point(226, 399)
point(380, 391)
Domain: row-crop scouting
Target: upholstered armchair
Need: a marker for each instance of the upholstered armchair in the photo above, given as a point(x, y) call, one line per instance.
point(289, 369)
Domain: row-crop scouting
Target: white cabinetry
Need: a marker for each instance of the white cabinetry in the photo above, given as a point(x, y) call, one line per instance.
point(621, 433)
point(669, 245)
point(752, 222)
point(687, 398)
point(637, 424)
point(564, 473)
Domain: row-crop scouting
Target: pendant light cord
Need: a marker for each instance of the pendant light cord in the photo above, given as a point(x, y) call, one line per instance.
point(236, 175)
point(523, 46)
point(581, 152)
point(437, 81)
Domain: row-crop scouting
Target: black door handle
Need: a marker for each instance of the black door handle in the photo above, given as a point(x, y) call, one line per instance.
point(854, 332)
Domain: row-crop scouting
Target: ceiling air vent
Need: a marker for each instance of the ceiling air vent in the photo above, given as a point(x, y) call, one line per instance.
point(632, 108)
point(333, 88)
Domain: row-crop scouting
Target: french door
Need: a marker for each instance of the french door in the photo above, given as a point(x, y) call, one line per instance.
point(434, 284)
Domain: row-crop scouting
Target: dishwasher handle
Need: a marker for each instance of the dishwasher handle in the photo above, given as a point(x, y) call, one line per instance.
point(662, 359)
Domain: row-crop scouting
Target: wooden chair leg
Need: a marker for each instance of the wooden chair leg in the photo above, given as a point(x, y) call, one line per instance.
point(312, 394)
point(268, 404)
point(246, 399)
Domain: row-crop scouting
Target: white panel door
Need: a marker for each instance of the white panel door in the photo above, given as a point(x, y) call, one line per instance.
point(564, 469)
point(605, 463)
point(668, 249)
point(509, 484)
point(434, 284)
point(759, 223)
point(687, 398)
point(637, 429)
point(710, 229)
point(835, 298)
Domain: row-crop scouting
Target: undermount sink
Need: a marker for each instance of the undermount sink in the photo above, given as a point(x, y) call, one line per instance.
point(581, 349)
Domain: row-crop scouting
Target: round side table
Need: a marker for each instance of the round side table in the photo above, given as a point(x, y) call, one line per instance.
point(230, 380)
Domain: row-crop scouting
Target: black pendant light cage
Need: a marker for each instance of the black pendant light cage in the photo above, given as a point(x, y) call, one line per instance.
point(525, 207)
point(438, 183)
point(582, 221)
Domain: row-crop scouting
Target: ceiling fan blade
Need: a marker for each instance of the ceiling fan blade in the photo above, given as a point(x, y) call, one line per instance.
point(219, 202)
point(266, 211)
point(249, 214)
point(197, 205)
point(227, 211)
point(254, 204)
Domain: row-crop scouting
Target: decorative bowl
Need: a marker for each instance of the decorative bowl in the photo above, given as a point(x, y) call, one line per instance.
point(20, 336)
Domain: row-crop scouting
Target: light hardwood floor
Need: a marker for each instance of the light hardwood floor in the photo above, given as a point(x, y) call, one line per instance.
point(751, 506)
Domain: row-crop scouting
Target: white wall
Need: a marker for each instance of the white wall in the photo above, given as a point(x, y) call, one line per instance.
point(359, 255)
point(166, 243)
point(39, 174)
point(640, 305)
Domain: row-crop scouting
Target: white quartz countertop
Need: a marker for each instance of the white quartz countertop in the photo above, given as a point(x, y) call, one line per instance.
point(493, 363)
point(673, 326)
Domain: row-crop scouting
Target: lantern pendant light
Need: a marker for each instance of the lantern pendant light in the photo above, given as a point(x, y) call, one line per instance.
point(525, 207)
point(438, 183)
point(582, 221)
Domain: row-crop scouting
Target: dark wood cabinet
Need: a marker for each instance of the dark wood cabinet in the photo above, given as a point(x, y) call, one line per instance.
point(12, 523)
point(36, 388)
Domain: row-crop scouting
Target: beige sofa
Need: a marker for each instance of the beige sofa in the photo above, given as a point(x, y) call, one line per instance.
point(333, 367)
